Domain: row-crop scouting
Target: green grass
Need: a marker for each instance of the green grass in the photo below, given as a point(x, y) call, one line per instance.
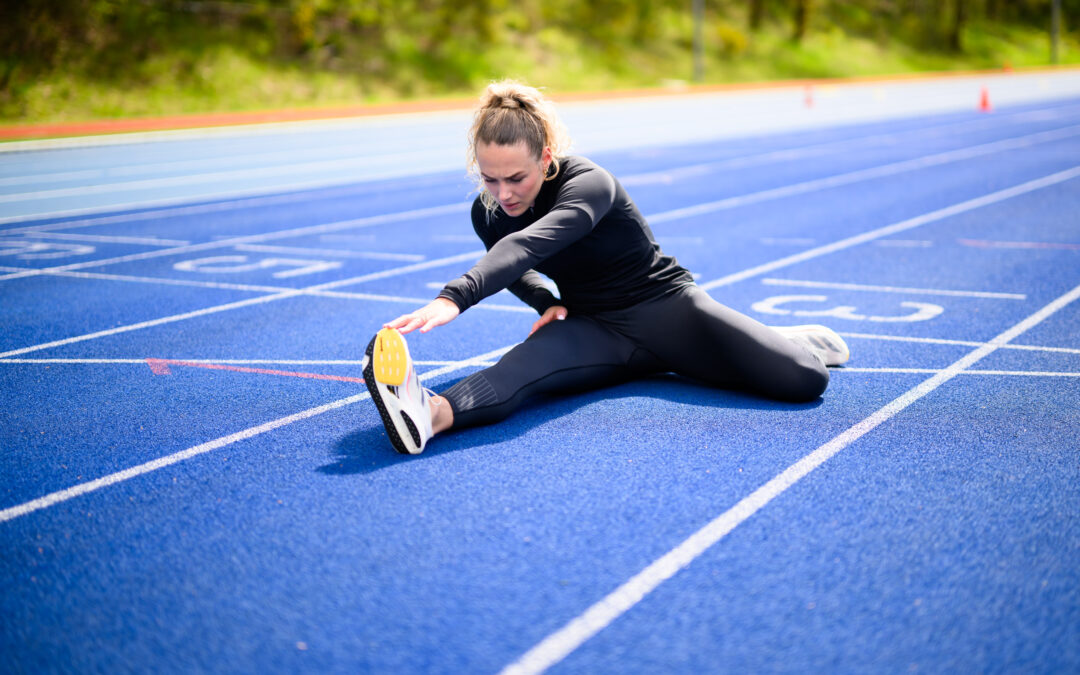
point(209, 73)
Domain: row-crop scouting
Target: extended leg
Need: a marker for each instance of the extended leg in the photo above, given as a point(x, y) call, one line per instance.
point(697, 336)
point(577, 354)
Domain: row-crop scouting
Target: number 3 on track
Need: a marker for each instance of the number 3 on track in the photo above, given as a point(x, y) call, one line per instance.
point(923, 311)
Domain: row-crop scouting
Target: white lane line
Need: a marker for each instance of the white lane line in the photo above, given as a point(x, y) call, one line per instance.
point(261, 288)
point(932, 371)
point(785, 191)
point(257, 195)
point(903, 226)
point(851, 177)
point(893, 289)
point(319, 154)
point(224, 362)
point(216, 444)
point(342, 165)
point(904, 243)
point(957, 343)
point(236, 204)
point(104, 239)
point(242, 303)
point(270, 192)
point(558, 645)
point(357, 363)
point(992, 198)
point(370, 221)
point(331, 252)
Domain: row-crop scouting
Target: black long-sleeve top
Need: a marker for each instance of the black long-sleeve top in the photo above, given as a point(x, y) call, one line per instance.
point(584, 233)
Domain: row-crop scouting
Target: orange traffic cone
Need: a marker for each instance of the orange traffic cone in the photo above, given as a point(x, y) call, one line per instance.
point(984, 101)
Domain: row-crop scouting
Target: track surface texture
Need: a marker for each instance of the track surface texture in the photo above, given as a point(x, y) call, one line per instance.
point(194, 478)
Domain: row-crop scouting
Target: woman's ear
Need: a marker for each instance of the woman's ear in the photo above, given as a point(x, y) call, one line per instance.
point(545, 159)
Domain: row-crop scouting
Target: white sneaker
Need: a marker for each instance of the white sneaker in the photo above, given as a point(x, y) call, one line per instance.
point(395, 388)
point(821, 340)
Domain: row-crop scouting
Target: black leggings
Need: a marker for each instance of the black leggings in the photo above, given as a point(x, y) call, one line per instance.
point(686, 332)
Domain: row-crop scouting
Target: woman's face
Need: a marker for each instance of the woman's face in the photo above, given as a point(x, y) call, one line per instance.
point(512, 175)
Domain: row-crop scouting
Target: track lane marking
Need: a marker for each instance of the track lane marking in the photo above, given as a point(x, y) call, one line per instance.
point(799, 188)
point(666, 216)
point(561, 643)
point(241, 303)
point(893, 289)
point(849, 242)
point(238, 362)
point(60, 496)
point(902, 226)
point(356, 223)
point(957, 343)
point(851, 177)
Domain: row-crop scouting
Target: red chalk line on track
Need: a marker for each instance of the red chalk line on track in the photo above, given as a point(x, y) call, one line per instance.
point(168, 460)
point(161, 367)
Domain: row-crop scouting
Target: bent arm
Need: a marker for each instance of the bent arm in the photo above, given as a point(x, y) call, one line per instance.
point(581, 202)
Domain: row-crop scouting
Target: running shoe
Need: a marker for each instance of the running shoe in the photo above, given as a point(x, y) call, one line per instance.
point(820, 340)
point(403, 404)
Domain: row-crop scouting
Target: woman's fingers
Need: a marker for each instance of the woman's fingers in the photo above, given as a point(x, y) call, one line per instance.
point(436, 313)
point(553, 313)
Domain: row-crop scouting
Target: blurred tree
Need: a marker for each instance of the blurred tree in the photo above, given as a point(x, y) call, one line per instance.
point(956, 28)
point(757, 13)
point(803, 9)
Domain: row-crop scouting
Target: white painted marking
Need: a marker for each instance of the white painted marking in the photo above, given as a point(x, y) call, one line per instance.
point(849, 178)
point(558, 645)
point(216, 444)
point(260, 195)
point(27, 249)
point(924, 311)
point(262, 288)
point(1020, 245)
point(957, 343)
point(903, 226)
point(904, 243)
point(342, 165)
point(237, 264)
point(350, 238)
point(787, 241)
point(242, 303)
point(674, 174)
point(107, 239)
point(455, 238)
point(484, 364)
point(925, 371)
point(904, 290)
point(939, 214)
point(370, 221)
point(337, 253)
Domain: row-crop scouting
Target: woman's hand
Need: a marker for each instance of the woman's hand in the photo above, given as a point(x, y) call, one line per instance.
point(438, 312)
point(553, 313)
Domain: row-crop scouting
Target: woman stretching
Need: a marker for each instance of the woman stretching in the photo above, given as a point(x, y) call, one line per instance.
point(625, 309)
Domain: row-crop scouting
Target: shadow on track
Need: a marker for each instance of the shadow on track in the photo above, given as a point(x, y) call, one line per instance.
point(368, 450)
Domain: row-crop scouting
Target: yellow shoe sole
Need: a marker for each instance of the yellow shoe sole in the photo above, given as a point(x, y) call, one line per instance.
point(390, 359)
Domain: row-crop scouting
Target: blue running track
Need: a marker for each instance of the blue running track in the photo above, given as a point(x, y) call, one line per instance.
point(195, 480)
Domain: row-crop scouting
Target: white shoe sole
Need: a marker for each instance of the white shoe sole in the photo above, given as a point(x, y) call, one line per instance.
point(389, 378)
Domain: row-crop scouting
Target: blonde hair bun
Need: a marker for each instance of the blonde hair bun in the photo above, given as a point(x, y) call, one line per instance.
point(509, 113)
